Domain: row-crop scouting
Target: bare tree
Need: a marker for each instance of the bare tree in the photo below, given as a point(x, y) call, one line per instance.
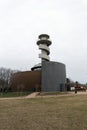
point(5, 75)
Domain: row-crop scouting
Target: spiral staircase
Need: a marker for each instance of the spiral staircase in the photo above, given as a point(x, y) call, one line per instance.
point(43, 43)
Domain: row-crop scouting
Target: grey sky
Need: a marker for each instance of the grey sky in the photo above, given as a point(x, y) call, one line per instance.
point(21, 21)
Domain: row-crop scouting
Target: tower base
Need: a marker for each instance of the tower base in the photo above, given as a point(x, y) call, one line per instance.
point(53, 77)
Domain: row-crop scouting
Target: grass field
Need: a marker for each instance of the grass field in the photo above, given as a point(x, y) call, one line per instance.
point(13, 94)
point(50, 113)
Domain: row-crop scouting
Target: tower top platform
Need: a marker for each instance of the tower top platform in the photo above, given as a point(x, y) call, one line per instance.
point(43, 36)
point(44, 39)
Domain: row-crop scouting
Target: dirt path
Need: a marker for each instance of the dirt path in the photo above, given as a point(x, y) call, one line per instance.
point(68, 94)
point(32, 95)
point(36, 95)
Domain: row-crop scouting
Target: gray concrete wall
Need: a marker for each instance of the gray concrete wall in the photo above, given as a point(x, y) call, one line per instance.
point(53, 76)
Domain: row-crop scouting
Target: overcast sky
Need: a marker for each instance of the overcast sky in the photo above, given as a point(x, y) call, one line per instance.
point(21, 21)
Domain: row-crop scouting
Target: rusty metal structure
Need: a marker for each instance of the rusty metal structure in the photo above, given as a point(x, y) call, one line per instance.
point(26, 81)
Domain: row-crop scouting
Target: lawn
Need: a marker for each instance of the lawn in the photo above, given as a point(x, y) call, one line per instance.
point(50, 113)
point(13, 94)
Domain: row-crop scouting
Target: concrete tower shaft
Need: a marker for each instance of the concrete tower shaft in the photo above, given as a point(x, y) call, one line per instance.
point(44, 44)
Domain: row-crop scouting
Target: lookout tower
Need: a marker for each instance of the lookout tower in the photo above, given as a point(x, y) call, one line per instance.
point(53, 74)
point(44, 43)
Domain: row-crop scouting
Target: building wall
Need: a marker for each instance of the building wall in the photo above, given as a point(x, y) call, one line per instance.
point(25, 81)
point(53, 76)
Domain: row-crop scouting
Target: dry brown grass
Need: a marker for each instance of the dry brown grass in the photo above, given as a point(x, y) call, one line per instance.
point(51, 113)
